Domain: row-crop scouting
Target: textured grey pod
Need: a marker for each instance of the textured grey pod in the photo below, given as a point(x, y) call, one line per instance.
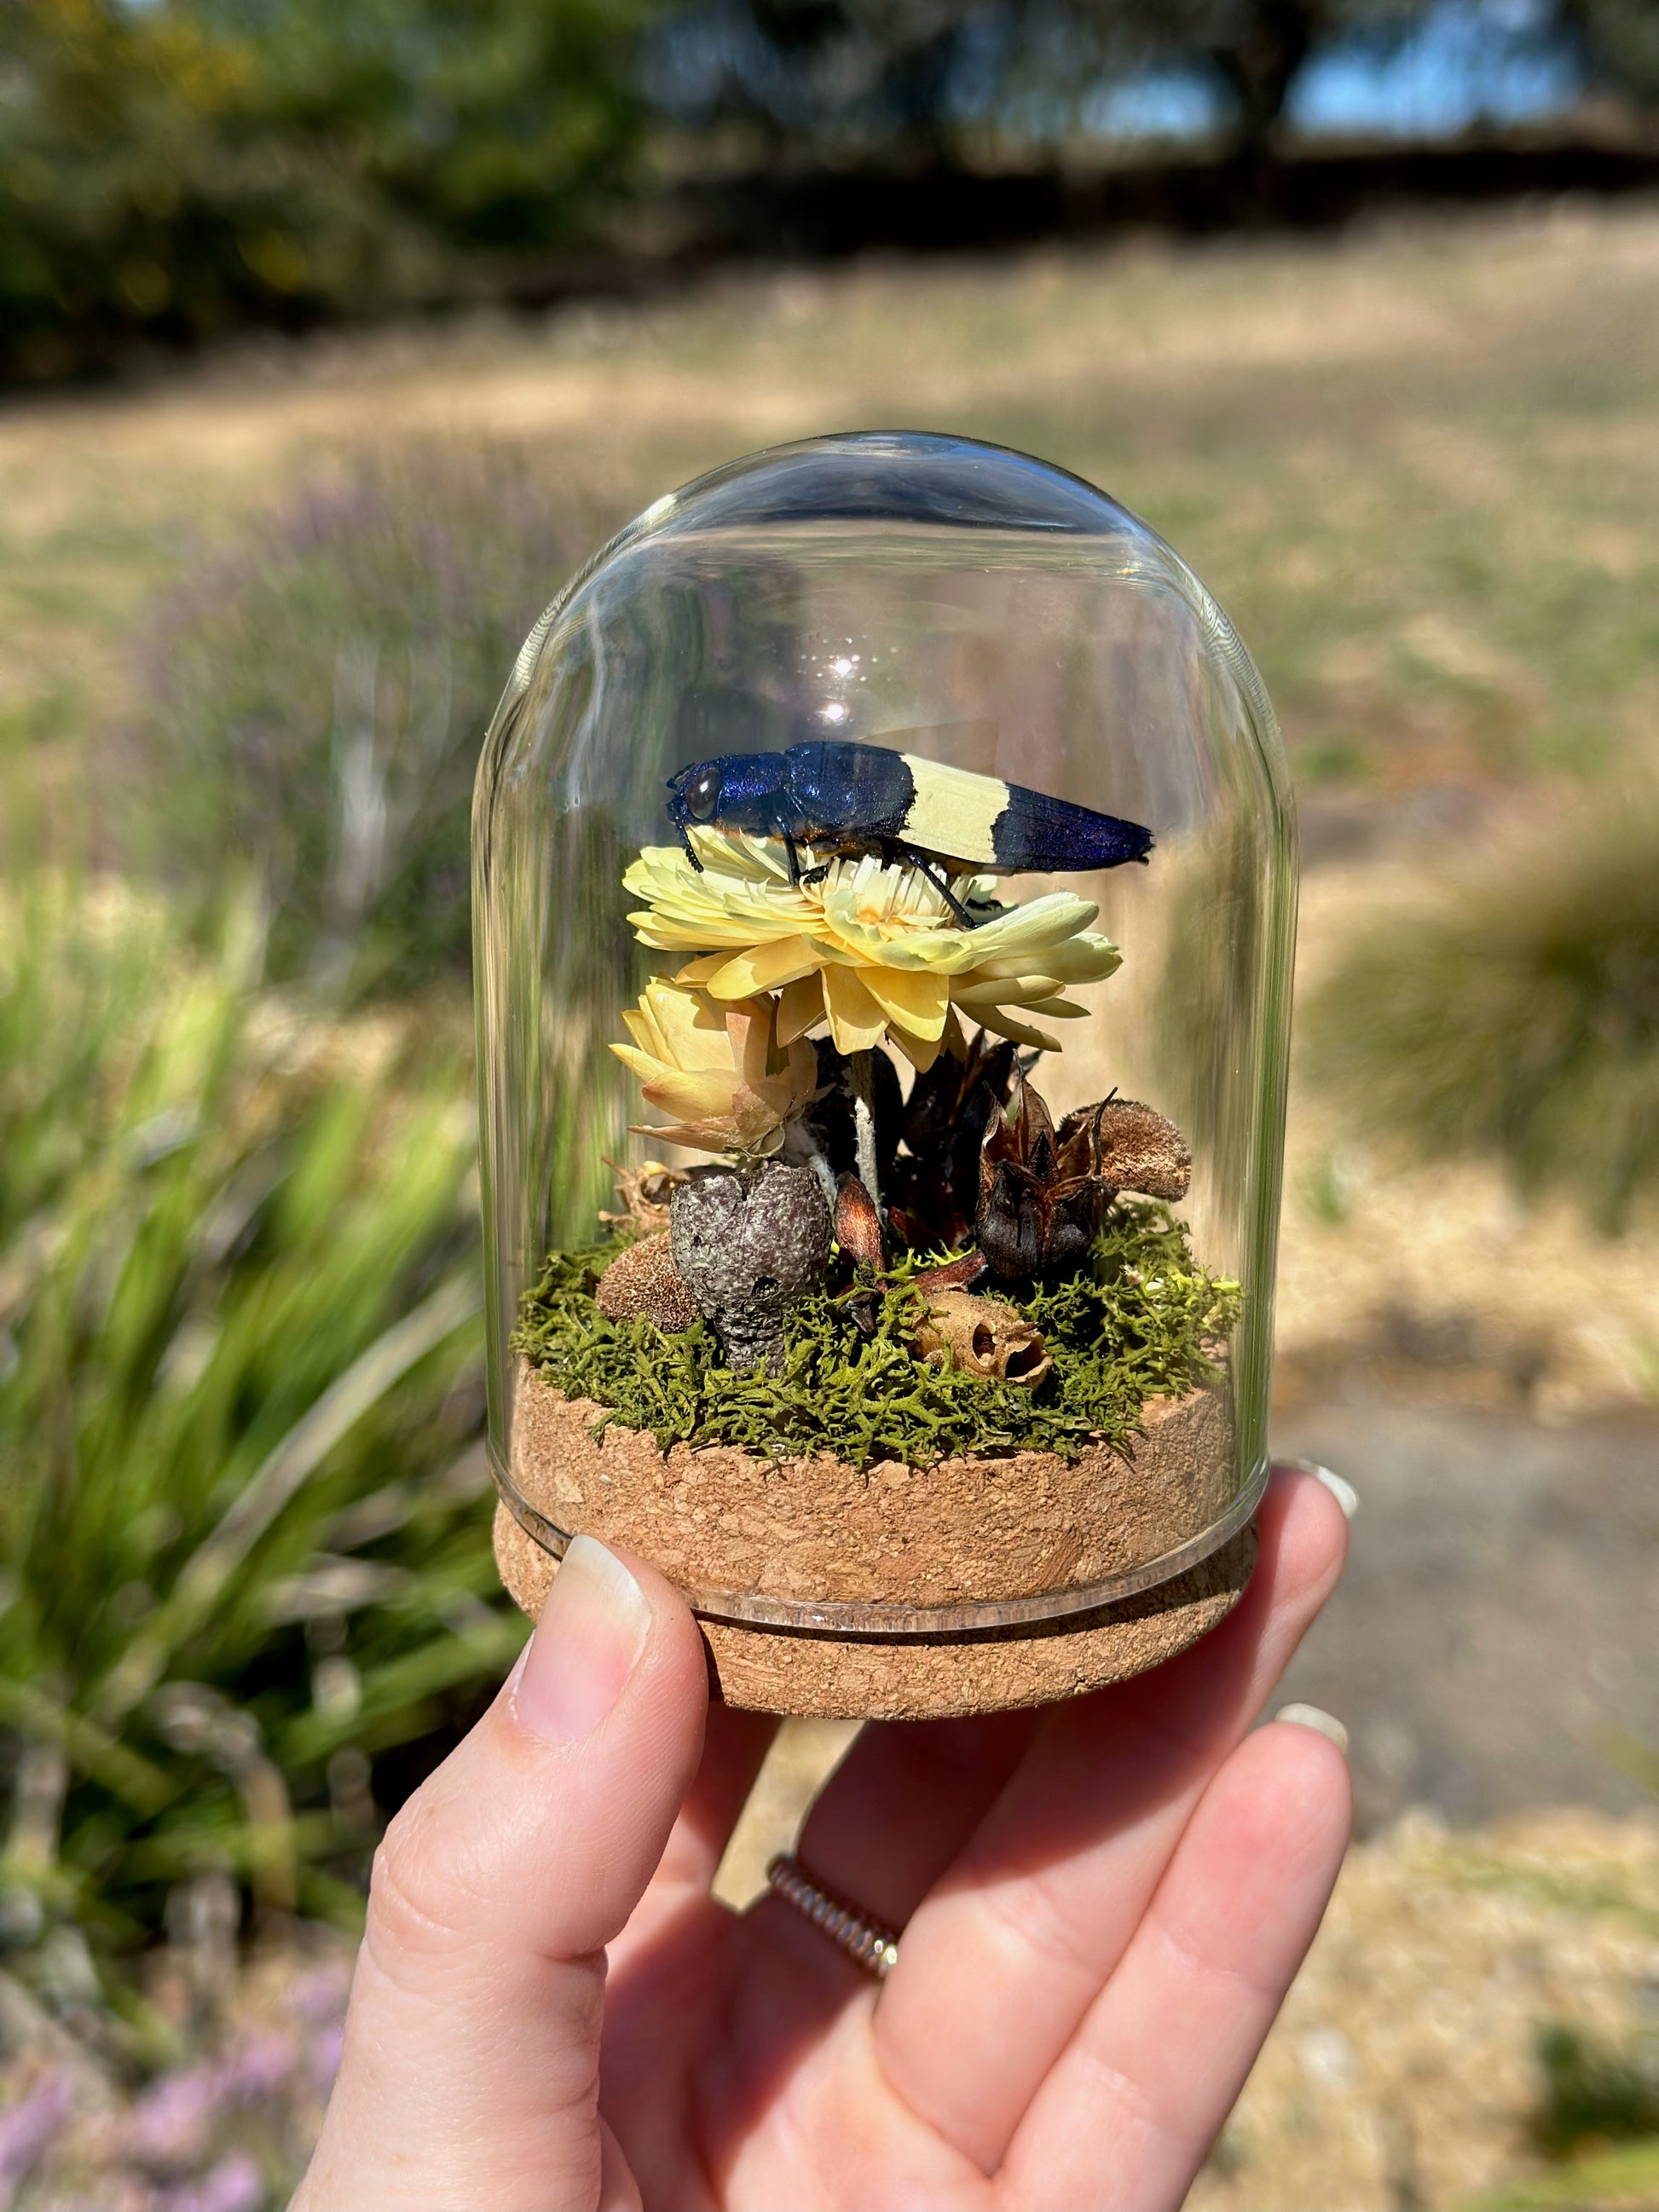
point(748, 1245)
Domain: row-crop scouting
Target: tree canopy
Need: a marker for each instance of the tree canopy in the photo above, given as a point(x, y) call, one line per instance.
point(171, 166)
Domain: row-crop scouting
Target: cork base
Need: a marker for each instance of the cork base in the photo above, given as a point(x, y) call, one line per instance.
point(772, 1671)
point(976, 1530)
point(970, 1530)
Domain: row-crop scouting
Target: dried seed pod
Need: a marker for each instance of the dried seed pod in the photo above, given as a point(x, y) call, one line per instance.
point(952, 1274)
point(858, 1225)
point(934, 1191)
point(1127, 1146)
point(984, 1338)
point(644, 1192)
point(1039, 1203)
point(750, 1244)
point(644, 1281)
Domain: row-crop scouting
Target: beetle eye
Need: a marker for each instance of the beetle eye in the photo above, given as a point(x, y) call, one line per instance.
point(703, 795)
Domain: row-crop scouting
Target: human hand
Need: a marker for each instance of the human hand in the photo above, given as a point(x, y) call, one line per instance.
point(1103, 1904)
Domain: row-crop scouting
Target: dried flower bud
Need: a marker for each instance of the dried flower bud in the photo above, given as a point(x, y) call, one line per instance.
point(643, 1280)
point(1039, 1203)
point(984, 1338)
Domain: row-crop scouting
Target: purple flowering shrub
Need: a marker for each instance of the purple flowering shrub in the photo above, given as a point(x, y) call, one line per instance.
point(311, 704)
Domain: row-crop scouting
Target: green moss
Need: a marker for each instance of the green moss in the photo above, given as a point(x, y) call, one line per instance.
point(1141, 1322)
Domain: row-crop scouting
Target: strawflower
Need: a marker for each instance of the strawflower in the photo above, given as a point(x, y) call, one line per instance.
point(874, 951)
point(718, 1067)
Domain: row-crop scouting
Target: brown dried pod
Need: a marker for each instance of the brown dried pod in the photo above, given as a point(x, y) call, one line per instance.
point(644, 1192)
point(952, 1274)
point(1039, 1203)
point(1126, 1146)
point(643, 1280)
point(858, 1225)
point(933, 1192)
point(984, 1338)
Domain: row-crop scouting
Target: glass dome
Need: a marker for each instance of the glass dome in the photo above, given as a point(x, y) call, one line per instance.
point(918, 673)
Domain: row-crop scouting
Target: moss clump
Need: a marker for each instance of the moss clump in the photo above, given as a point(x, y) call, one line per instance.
point(1141, 1321)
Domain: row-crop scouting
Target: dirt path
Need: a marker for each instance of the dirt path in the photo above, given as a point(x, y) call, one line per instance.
point(1497, 1630)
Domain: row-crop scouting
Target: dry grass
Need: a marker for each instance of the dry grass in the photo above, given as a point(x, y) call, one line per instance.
point(1401, 2072)
point(1419, 469)
point(1440, 1267)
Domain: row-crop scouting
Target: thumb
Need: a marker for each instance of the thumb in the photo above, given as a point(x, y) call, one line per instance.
point(470, 2075)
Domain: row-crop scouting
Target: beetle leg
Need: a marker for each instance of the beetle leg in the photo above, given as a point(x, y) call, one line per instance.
point(794, 850)
point(925, 864)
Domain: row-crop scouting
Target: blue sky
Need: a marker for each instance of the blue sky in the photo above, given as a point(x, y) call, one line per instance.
point(1462, 64)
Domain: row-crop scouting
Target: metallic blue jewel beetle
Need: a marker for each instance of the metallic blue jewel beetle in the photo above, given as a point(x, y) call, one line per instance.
point(838, 796)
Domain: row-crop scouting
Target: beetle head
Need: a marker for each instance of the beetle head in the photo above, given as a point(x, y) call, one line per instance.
point(693, 795)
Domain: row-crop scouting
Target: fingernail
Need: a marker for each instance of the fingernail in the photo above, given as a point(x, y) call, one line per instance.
point(591, 1631)
point(1316, 1718)
point(1343, 1493)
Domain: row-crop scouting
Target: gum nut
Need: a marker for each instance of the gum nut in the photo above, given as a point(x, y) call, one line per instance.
point(643, 1283)
point(747, 1243)
point(984, 1338)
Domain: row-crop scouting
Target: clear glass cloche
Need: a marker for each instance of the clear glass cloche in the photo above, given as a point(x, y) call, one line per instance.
point(884, 889)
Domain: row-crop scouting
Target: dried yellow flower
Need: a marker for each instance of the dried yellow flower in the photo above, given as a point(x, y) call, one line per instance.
point(874, 950)
point(717, 1066)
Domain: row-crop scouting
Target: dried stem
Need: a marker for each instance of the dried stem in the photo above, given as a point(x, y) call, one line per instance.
point(861, 1082)
point(801, 1145)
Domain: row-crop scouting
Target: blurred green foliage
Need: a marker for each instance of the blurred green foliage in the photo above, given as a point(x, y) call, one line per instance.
point(176, 168)
point(311, 703)
point(1520, 1019)
point(244, 1520)
point(927, 78)
point(179, 166)
point(1593, 2094)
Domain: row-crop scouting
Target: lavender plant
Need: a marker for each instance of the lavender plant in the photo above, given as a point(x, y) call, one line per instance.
point(310, 703)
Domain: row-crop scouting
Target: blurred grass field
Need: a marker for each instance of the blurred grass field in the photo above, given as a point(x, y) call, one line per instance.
point(1420, 469)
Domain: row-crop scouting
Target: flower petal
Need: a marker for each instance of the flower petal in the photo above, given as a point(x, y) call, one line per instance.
point(697, 972)
point(915, 1003)
point(921, 1051)
point(766, 968)
point(678, 1092)
point(644, 1065)
point(1021, 1032)
point(1002, 990)
point(856, 1022)
point(800, 1007)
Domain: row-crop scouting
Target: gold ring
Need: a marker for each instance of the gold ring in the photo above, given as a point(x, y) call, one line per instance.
point(865, 1941)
